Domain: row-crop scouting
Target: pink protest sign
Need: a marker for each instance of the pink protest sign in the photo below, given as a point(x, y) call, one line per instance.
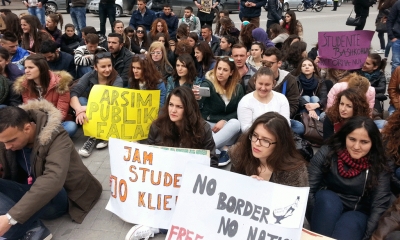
point(345, 50)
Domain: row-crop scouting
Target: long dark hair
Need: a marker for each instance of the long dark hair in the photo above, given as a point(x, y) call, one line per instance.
point(293, 22)
point(146, 40)
point(150, 75)
point(40, 62)
point(13, 25)
point(187, 60)
point(285, 156)
point(376, 156)
point(208, 56)
point(191, 132)
point(34, 31)
point(294, 54)
point(298, 69)
point(97, 56)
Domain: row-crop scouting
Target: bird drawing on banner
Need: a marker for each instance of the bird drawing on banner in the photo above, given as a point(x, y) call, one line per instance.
point(282, 213)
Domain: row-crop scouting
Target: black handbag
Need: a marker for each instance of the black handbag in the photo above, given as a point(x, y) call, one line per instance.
point(381, 25)
point(353, 21)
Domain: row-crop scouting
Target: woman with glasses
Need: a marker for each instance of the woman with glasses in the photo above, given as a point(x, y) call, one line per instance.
point(266, 151)
point(204, 57)
point(158, 55)
point(161, 37)
point(103, 74)
point(256, 52)
point(184, 74)
point(143, 75)
point(158, 26)
point(141, 40)
point(349, 182)
point(262, 100)
point(220, 108)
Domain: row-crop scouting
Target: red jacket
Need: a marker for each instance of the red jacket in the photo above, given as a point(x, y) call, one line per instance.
point(57, 93)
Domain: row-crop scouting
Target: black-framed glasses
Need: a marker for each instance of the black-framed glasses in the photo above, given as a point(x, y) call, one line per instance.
point(266, 63)
point(103, 55)
point(225, 58)
point(263, 142)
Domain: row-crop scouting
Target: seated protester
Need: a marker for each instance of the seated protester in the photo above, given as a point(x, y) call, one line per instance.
point(348, 103)
point(121, 57)
point(228, 28)
point(158, 55)
point(246, 35)
point(225, 46)
point(288, 42)
point(297, 51)
point(206, 35)
point(52, 21)
point(357, 82)
point(292, 25)
point(103, 74)
point(205, 59)
point(313, 53)
point(170, 54)
point(9, 41)
point(313, 94)
point(4, 89)
point(42, 167)
point(218, 30)
point(388, 225)
point(191, 20)
point(286, 84)
point(182, 32)
point(33, 34)
point(266, 151)
point(349, 182)
point(278, 35)
point(394, 91)
point(220, 109)
point(171, 20)
point(118, 27)
point(179, 125)
point(129, 32)
point(374, 70)
point(88, 29)
point(158, 26)
point(56, 59)
point(256, 52)
point(9, 70)
point(259, 35)
point(39, 82)
point(193, 38)
point(239, 55)
point(141, 40)
point(332, 76)
point(83, 57)
point(143, 75)
point(184, 74)
point(262, 100)
point(69, 40)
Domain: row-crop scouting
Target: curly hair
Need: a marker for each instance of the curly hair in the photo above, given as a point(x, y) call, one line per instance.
point(150, 76)
point(359, 101)
point(183, 46)
point(246, 37)
point(153, 29)
point(191, 131)
point(357, 82)
point(182, 32)
point(294, 54)
point(188, 62)
point(391, 136)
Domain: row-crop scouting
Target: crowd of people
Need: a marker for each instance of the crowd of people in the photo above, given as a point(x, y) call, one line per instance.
point(259, 86)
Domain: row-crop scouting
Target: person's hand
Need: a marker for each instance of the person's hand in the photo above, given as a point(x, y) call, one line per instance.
point(4, 226)
point(30, 52)
point(39, 5)
point(394, 39)
point(81, 117)
point(257, 177)
point(311, 106)
point(26, 4)
point(196, 92)
point(218, 126)
point(316, 61)
point(252, 4)
point(313, 114)
point(198, 5)
point(172, 14)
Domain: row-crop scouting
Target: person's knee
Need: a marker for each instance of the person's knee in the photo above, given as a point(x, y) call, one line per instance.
point(314, 99)
point(327, 198)
point(234, 125)
point(354, 221)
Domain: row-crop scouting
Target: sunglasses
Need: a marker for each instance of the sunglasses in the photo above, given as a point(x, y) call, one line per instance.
point(225, 58)
point(103, 55)
point(140, 31)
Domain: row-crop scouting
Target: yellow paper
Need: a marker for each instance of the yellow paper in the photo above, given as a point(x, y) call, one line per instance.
point(120, 113)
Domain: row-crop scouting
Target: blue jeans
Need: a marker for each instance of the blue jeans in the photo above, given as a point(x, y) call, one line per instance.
point(380, 123)
point(11, 192)
point(39, 13)
point(297, 127)
point(312, 99)
point(78, 16)
point(227, 135)
point(106, 10)
point(82, 70)
point(391, 109)
point(70, 126)
point(330, 219)
point(395, 54)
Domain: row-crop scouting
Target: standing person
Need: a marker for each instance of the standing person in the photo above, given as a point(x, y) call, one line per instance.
point(349, 182)
point(36, 8)
point(251, 10)
point(274, 13)
point(384, 7)
point(393, 26)
point(3, 2)
point(335, 5)
point(78, 15)
point(121, 57)
point(158, 5)
point(171, 20)
point(361, 8)
point(191, 20)
point(142, 16)
point(206, 17)
point(106, 9)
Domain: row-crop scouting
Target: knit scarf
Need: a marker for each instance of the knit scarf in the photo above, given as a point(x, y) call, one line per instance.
point(354, 166)
point(369, 76)
point(308, 85)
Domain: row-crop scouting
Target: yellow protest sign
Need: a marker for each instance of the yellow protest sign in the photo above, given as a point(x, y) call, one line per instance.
point(120, 113)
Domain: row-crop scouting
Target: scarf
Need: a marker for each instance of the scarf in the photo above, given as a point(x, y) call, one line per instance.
point(308, 85)
point(189, 21)
point(369, 76)
point(354, 166)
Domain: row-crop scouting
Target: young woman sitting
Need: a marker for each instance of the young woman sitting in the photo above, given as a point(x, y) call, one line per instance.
point(204, 57)
point(158, 54)
point(256, 52)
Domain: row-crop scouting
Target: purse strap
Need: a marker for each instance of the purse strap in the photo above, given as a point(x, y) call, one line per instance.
point(351, 12)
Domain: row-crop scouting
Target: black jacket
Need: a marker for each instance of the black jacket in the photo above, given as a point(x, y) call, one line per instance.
point(361, 7)
point(251, 12)
point(155, 138)
point(122, 63)
point(66, 42)
point(393, 22)
point(377, 81)
point(274, 11)
point(351, 191)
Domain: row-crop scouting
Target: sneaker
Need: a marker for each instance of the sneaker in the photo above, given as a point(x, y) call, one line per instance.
point(223, 159)
point(138, 232)
point(102, 144)
point(87, 147)
point(38, 233)
point(380, 51)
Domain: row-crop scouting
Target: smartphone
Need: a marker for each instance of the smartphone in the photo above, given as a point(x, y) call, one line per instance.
point(204, 91)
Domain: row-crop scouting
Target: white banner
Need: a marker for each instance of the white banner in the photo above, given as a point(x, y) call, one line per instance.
point(145, 180)
point(216, 204)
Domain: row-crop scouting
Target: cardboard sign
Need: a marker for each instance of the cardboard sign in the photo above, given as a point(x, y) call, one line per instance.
point(120, 113)
point(206, 6)
point(346, 50)
point(215, 204)
point(145, 181)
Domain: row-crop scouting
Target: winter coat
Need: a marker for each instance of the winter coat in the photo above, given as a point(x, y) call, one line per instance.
point(146, 20)
point(172, 84)
point(352, 191)
point(292, 89)
point(338, 87)
point(57, 93)
point(122, 63)
point(65, 41)
point(377, 81)
point(55, 164)
point(214, 42)
point(213, 108)
point(393, 22)
point(247, 77)
point(155, 138)
point(251, 12)
point(394, 88)
point(320, 92)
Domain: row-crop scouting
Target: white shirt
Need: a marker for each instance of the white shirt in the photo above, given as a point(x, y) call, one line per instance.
point(249, 108)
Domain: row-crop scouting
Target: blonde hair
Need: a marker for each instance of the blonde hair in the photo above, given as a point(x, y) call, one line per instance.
point(233, 80)
point(160, 45)
point(356, 81)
